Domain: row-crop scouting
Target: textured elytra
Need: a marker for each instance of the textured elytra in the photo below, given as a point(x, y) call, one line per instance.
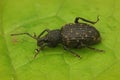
point(74, 35)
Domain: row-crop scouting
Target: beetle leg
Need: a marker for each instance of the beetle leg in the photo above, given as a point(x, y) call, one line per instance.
point(81, 45)
point(34, 37)
point(43, 33)
point(67, 49)
point(98, 50)
point(38, 50)
point(92, 22)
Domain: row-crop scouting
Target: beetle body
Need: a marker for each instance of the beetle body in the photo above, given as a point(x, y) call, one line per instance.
point(73, 35)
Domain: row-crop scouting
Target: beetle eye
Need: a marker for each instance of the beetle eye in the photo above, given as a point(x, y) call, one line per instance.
point(45, 40)
point(40, 42)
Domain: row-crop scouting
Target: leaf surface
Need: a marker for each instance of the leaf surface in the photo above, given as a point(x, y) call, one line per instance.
point(16, 53)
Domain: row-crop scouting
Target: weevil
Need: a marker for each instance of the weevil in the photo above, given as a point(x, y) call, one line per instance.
point(73, 35)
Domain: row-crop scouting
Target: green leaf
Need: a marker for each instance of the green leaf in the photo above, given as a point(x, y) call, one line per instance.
point(16, 53)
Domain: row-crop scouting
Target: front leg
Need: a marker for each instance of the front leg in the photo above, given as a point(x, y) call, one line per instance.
point(46, 30)
point(75, 54)
point(28, 34)
point(38, 50)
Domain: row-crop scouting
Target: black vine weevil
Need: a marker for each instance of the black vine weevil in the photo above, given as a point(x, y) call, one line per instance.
point(72, 35)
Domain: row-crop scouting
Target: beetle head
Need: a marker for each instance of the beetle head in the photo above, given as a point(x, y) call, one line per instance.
point(41, 41)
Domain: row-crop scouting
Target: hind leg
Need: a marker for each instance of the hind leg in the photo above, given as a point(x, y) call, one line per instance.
point(83, 19)
point(98, 50)
point(69, 50)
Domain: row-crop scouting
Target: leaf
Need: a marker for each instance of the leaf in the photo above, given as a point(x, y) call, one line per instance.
point(16, 53)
